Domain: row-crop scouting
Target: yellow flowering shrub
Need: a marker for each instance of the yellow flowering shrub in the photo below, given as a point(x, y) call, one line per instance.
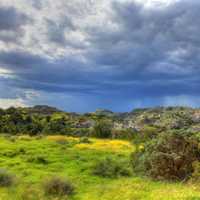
point(107, 145)
point(141, 147)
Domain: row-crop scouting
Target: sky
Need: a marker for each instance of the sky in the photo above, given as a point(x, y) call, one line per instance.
point(82, 55)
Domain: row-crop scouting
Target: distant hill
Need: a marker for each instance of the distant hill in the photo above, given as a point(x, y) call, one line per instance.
point(43, 109)
point(164, 117)
point(43, 118)
point(104, 112)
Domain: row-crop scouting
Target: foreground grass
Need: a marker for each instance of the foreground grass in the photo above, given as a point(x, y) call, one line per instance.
point(33, 160)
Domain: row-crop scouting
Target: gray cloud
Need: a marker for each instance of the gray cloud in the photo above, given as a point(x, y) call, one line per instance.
point(37, 4)
point(148, 37)
point(11, 23)
point(10, 19)
point(56, 30)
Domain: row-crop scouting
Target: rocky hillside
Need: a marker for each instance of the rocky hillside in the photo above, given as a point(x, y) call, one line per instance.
point(161, 117)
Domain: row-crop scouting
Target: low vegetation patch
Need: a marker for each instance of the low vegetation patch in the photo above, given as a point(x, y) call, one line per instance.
point(58, 186)
point(111, 168)
point(6, 178)
point(39, 159)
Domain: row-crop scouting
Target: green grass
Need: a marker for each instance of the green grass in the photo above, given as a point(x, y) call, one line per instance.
point(33, 160)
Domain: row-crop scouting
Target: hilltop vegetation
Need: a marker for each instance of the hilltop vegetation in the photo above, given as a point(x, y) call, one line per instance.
point(48, 120)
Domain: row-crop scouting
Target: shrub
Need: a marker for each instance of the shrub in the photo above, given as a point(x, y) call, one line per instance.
point(30, 193)
point(85, 140)
point(12, 139)
point(58, 186)
point(127, 134)
point(39, 137)
point(38, 159)
point(146, 134)
point(102, 129)
point(80, 132)
point(21, 150)
point(25, 137)
point(6, 179)
point(149, 132)
point(169, 157)
point(111, 168)
point(63, 142)
point(10, 153)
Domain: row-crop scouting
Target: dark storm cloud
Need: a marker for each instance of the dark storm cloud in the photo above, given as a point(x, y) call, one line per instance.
point(36, 72)
point(149, 37)
point(20, 60)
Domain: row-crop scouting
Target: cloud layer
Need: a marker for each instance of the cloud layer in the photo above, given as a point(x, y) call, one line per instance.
point(115, 54)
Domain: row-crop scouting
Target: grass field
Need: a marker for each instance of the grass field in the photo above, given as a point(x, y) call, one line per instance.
point(33, 160)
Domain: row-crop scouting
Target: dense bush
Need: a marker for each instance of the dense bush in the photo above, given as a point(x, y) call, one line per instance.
point(196, 171)
point(55, 126)
point(102, 129)
point(6, 179)
point(168, 156)
point(111, 168)
point(145, 134)
point(58, 186)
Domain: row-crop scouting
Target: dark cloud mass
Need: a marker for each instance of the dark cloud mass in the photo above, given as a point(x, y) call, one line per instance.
point(10, 19)
point(11, 22)
point(112, 54)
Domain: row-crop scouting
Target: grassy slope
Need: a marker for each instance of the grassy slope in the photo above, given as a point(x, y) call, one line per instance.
point(67, 158)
